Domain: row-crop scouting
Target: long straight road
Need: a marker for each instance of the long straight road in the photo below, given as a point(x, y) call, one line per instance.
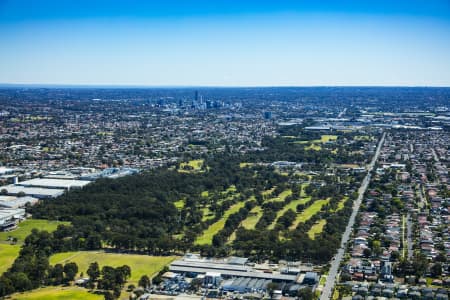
point(331, 278)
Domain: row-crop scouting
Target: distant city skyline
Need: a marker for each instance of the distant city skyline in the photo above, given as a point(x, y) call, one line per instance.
point(223, 43)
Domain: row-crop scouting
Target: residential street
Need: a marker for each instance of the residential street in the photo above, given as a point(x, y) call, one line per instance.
point(331, 278)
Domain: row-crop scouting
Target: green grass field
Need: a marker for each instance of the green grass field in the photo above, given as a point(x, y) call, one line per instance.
point(227, 194)
point(315, 144)
point(25, 228)
point(291, 205)
point(350, 166)
point(230, 189)
point(179, 204)
point(314, 147)
point(309, 212)
point(232, 237)
point(341, 204)
point(206, 237)
point(253, 218)
point(327, 138)
point(57, 293)
point(8, 254)
point(362, 138)
point(323, 139)
point(322, 280)
point(267, 192)
point(195, 166)
point(207, 214)
point(316, 229)
point(245, 165)
point(139, 264)
point(303, 186)
point(282, 196)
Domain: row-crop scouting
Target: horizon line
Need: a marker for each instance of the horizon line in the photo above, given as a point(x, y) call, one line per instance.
point(79, 85)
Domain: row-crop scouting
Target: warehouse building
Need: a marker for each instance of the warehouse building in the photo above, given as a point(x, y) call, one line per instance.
point(6, 171)
point(245, 285)
point(51, 183)
point(111, 173)
point(311, 278)
point(14, 190)
point(16, 202)
point(9, 218)
point(231, 268)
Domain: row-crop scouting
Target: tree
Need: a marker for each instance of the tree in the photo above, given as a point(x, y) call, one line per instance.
point(441, 257)
point(70, 270)
point(125, 271)
point(376, 246)
point(144, 281)
point(345, 277)
point(367, 252)
point(395, 255)
point(218, 240)
point(108, 280)
point(57, 274)
point(93, 271)
point(93, 242)
point(131, 287)
point(21, 282)
point(6, 286)
point(109, 296)
point(271, 287)
point(116, 291)
point(344, 290)
point(119, 278)
point(436, 270)
point(420, 265)
point(196, 283)
point(305, 294)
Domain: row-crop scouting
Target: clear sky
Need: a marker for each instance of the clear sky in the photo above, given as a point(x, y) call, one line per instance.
point(225, 42)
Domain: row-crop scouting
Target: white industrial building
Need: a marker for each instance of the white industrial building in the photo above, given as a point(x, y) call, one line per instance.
point(5, 171)
point(16, 202)
point(36, 192)
point(10, 217)
point(51, 183)
point(231, 268)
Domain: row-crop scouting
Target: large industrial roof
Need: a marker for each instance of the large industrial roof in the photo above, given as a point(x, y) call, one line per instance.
point(4, 170)
point(234, 260)
point(15, 202)
point(204, 268)
point(54, 183)
point(32, 191)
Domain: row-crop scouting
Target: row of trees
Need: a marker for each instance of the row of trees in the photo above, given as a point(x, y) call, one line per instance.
point(262, 243)
point(233, 221)
point(109, 280)
point(32, 269)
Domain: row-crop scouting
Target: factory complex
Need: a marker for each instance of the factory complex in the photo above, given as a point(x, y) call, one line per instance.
point(238, 275)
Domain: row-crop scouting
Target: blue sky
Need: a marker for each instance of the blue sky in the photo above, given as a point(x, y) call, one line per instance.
point(225, 43)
